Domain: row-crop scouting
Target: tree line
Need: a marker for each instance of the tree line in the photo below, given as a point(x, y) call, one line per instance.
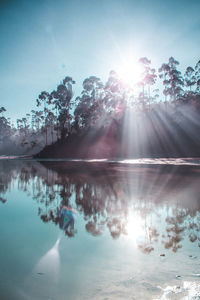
point(58, 114)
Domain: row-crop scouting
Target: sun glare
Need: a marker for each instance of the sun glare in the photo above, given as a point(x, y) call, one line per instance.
point(129, 72)
point(135, 228)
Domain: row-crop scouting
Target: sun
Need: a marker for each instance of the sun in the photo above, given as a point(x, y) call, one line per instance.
point(129, 71)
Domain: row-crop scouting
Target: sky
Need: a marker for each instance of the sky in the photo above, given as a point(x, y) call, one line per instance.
point(43, 41)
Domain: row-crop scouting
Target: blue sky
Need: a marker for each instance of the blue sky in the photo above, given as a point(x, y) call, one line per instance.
point(43, 41)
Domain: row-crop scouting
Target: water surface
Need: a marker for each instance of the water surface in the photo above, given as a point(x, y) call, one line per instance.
point(100, 229)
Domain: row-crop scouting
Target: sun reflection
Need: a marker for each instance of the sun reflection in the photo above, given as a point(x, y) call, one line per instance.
point(135, 227)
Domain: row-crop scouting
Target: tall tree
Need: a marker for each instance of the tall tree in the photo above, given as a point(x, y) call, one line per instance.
point(62, 100)
point(148, 79)
point(172, 79)
point(189, 78)
point(44, 98)
point(115, 97)
point(90, 105)
point(5, 127)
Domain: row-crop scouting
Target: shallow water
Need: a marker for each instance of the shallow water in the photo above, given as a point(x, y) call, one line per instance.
point(135, 232)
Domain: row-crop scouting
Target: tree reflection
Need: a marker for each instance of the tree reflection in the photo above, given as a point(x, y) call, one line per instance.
point(104, 195)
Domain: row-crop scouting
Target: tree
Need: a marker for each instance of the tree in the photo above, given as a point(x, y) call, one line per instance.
point(50, 123)
point(172, 79)
point(90, 105)
point(148, 79)
point(62, 100)
point(197, 75)
point(5, 127)
point(115, 96)
point(189, 77)
point(2, 110)
point(44, 98)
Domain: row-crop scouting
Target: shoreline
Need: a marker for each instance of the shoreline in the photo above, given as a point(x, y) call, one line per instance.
point(179, 161)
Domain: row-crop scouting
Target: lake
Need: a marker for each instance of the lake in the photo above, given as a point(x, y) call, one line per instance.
point(92, 229)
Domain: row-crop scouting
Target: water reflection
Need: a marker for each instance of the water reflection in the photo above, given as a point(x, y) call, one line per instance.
point(66, 220)
point(148, 205)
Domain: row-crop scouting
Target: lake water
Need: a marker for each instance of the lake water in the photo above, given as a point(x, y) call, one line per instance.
point(100, 229)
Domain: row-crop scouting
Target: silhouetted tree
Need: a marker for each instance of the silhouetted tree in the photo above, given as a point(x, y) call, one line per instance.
point(62, 100)
point(189, 78)
point(5, 126)
point(89, 107)
point(172, 79)
point(44, 98)
point(148, 79)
